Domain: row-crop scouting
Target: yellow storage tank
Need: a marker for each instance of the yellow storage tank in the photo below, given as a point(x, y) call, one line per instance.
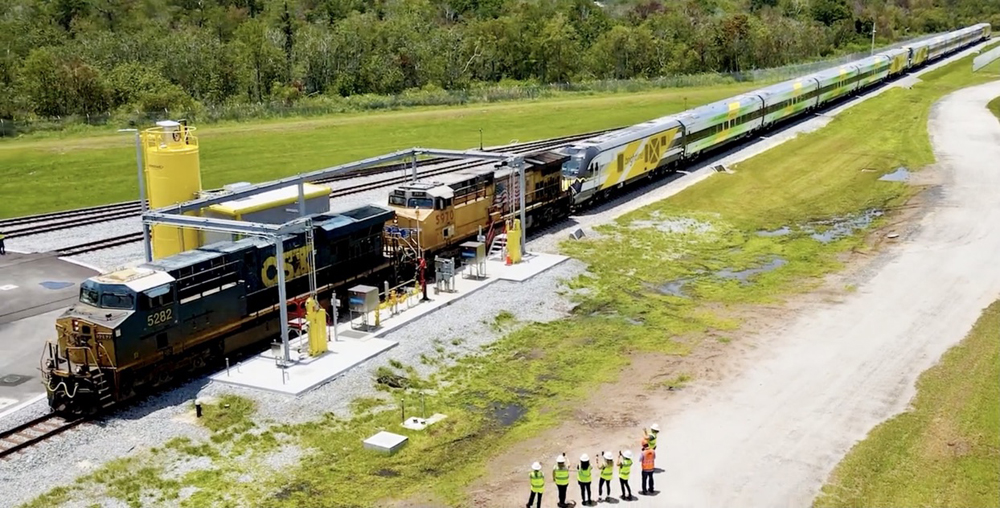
point(173, 175)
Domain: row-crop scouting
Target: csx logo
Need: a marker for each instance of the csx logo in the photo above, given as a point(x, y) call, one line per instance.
point(651, 154)
point(296, 265)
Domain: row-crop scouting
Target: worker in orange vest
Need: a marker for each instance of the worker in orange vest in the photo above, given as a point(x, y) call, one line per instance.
point(648, 459)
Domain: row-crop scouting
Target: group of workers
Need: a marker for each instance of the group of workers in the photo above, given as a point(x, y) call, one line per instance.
point(605, 468)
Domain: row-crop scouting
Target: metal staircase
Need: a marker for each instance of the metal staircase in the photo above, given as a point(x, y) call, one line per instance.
point(498, 247)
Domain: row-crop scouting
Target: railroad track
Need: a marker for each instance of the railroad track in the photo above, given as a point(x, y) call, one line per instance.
point(33, 432)
point(104, 243)
point(457, 165)
point(56, 221)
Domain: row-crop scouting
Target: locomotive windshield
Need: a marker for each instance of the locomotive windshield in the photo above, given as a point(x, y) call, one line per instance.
point(574, 167)
point(107, 296)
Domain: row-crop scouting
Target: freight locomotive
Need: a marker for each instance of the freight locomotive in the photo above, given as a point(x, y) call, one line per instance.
point(136, 329)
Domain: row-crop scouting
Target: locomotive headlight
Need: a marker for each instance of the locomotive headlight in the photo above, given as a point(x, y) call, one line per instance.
point(76, 326)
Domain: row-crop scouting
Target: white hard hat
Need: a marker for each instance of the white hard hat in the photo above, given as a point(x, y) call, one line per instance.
point(627, 454)
point(584, 458)
point(655, 427)
point(607, 455)
point(561, 458)
point(536, 466)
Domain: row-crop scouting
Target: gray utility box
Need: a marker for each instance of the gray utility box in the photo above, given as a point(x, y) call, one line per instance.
point(362, 299)
point(473, 252)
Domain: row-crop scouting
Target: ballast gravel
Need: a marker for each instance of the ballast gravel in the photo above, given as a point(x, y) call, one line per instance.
point(460, 329)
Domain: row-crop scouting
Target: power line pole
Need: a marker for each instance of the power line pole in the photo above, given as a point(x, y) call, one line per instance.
point(873, 37)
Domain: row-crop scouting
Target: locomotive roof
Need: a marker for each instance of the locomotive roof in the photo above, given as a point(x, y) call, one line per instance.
point(137, 279)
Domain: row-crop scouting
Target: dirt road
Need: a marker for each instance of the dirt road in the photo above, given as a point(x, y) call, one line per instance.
point(770, 435)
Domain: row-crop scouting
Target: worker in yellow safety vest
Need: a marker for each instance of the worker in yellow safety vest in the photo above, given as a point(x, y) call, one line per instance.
point(651, 434)
point(607, 472)
point(560, 476)
point(624, 468)
point(3, 250)
point(537, 479)
point(583, 477)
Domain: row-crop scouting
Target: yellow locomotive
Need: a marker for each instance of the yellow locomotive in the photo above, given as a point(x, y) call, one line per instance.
point(458, 206)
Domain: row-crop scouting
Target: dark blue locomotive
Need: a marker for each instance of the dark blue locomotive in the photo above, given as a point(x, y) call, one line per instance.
point(139, 328)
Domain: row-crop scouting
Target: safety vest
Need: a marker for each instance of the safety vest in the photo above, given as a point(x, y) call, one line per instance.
point(607, 471)
point(561, 475)
point(647, 460)
point(625, 469)
point(583, 475)
point(651, 440)
point(537, 481)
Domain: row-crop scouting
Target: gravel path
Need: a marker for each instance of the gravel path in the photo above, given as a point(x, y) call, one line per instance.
point(771, 436)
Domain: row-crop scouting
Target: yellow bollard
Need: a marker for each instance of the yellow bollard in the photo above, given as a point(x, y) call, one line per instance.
point(316, 316)
point(514, 242)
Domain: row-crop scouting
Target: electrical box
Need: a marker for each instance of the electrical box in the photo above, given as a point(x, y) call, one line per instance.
point(444, 270)
point(473, 252)
point(474, 256)
point(362, 298)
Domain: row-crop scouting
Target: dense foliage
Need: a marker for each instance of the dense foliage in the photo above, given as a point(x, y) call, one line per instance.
point(76, 57)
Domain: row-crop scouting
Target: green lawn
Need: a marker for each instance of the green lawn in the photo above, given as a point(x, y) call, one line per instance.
point(543, 370)
point(945, 451)
point(40, 175)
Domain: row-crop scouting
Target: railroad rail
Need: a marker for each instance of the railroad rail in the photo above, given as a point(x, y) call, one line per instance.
point(34, 432)
point(104, 243)
point(56, 221)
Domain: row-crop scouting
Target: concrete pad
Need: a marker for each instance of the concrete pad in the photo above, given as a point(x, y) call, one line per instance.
point(262, 371)
point(531, 264)
point(385, 442)
point(350, 347)
point(32, 284)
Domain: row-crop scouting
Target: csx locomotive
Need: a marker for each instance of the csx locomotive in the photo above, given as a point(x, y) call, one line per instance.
point(139, 328)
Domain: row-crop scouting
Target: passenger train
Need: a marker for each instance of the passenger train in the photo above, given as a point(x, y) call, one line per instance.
point(136, 329)
point(598, 166)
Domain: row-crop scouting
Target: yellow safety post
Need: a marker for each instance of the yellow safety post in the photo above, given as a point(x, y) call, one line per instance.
point(514, 242)
point(316, 316)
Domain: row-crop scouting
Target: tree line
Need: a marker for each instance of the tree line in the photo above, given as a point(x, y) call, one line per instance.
point(77, 57)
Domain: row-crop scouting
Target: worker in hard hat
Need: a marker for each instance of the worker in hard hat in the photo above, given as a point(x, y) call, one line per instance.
point(624, 468)
point(537, 479)
point(648, 457)
point(607, 473)
point(651, 435)
point(583, 477)
point(560, 476)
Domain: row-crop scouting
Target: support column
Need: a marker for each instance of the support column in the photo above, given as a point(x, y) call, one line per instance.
point(521, 192)
point(142, 177)
point(302, 199)
point(279, 256)
point(414, 166)
point(147, 247)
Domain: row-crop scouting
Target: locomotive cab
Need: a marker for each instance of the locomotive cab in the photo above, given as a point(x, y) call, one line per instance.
point(80, 365)
point(445, 212)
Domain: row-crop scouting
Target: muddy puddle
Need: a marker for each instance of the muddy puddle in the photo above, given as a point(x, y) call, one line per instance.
point(841, 227)
point(901, 174)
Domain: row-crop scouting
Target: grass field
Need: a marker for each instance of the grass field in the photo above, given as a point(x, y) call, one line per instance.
point(945, 451)
point(39, 175)
point(994, 106)
point(697, 239)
